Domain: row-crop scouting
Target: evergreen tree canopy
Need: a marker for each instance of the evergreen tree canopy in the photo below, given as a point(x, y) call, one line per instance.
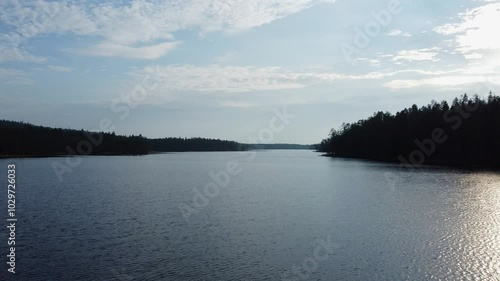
point(23, 139)
point(467, 133)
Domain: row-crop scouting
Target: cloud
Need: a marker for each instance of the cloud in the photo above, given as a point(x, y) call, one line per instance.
point(237, 16)
point(237, 104)
point(397, 32)
point(17, 54)
point(476, 32)
point(127, 26)
point(116, 50)
point(34, 18)
point(426, 54)
point(59, 68)
point(29, 19)
point(440, 82)
point(473, 34)
point(223, 78)
point(372, 62)
point(10, 51)
point(233, 79)
point(14, 77)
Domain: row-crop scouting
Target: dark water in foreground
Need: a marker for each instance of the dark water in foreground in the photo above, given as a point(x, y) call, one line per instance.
point(117, 218)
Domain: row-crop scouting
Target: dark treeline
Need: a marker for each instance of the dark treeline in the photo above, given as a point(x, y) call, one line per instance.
point(280, 146)
point(193, 144)
point(23, 139)
point(19, 138)
point(467, 132)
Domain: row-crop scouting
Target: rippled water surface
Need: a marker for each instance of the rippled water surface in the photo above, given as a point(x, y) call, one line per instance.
point(118, 218)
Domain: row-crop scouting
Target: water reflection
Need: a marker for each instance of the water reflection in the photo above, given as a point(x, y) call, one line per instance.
point(477, 244)
point(118, 216)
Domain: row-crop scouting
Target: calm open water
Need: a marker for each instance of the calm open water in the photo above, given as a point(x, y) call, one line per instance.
point(118, 218)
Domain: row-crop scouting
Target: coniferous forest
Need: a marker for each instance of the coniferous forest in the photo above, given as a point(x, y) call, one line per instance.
point(23, 139)
point(280, 146)
point(193, 144)
point(465, 133)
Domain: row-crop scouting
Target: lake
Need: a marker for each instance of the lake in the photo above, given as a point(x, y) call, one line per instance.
point(265, 215)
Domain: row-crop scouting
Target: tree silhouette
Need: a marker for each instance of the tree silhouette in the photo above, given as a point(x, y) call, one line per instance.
point(24, 139)
point(471, 127)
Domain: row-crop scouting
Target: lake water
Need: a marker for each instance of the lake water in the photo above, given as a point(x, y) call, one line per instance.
point(118, 218)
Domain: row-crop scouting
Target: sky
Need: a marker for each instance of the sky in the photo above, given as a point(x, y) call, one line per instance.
point(223, 68)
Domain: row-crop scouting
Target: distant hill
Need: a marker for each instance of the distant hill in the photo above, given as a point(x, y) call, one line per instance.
point(282, 146)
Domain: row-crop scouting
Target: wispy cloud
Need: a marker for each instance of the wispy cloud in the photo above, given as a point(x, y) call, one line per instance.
point(229, 79)
point(237, 104)
point(116, 50)
point(59, 68)
point(442, 82)
point(15, 77)
point(426, 54)
point(10, 51)
point(223, 78)
point(397, 32)
point(29, 19)
point(132, 29)
point(217, 78)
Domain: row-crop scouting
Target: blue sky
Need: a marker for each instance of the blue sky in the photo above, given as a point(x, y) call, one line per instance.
point(221, 67)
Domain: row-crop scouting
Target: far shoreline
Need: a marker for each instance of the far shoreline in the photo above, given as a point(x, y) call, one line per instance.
point(34, 156)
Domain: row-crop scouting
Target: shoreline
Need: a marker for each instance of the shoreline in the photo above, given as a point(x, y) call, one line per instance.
point(32, 156)
point(444, 164)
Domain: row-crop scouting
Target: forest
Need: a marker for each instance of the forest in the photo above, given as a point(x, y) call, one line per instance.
point(465, 133)
point(193, 144)
point(280, 146)
point(24, 139)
